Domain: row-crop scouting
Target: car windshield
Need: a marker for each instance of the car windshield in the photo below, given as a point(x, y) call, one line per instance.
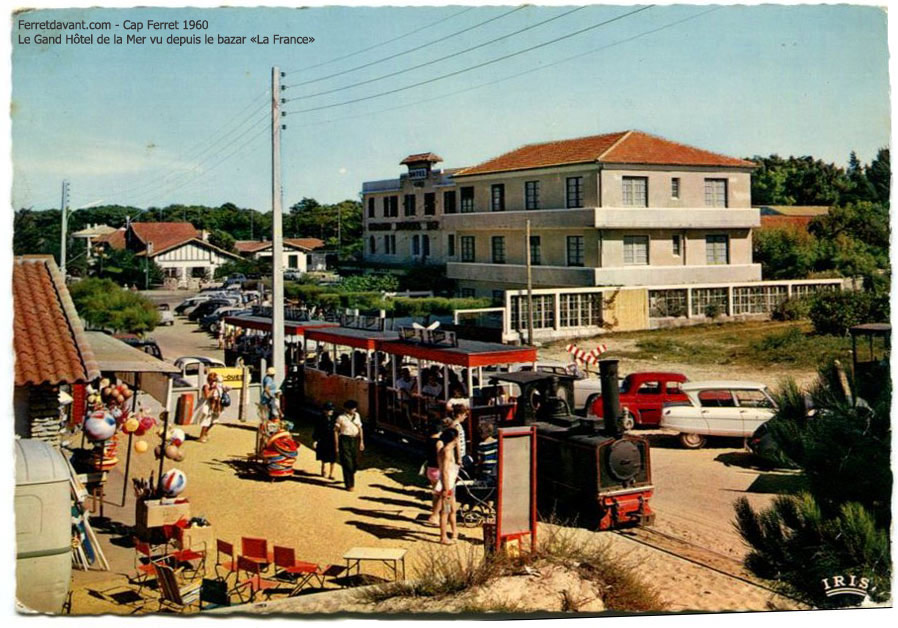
point(625, 385)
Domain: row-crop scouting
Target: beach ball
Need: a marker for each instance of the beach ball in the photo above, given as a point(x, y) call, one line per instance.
point(173, 482)
point(141, 446)
point(177, 437)
point(130, 426)
point(147, 423)
point(100, 426)
point(171, 452)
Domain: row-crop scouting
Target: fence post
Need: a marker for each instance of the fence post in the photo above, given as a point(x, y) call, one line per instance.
point(244, 393)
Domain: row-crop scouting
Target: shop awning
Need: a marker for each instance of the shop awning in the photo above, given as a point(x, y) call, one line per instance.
point(113, 355)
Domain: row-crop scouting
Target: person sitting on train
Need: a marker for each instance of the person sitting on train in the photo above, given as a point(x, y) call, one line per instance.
point(344, 367)
point(432, 388)
point(457, 398)
point(325, 363)
point(406, 384)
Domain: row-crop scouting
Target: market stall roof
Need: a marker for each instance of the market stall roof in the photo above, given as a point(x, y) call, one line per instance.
point(113, 355)
point(263, 323)
point(48, 337)
point(468, 353)
point(350, 337)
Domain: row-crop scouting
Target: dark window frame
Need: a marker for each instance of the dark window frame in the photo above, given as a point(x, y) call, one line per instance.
point(497, 197)
point(531, 194)
point(573, 196)
point(497, 249)
point(578, 259)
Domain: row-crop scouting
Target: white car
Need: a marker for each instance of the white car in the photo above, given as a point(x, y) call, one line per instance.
point(724, 408)
point(190, 369)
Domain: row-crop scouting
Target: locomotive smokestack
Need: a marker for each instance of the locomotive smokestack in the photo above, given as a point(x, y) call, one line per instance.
point(610, 398)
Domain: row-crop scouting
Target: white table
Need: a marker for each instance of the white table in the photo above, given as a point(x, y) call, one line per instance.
point(392, 557)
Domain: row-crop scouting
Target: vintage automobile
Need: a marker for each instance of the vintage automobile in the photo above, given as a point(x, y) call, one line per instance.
point(187, 305)
point(190, 368)
point(165, 314)
point(586, 388)
point(722, 408)
point(644, 395)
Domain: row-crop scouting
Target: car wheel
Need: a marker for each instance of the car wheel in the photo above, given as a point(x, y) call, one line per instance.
point(692, 441)
point(628, 421)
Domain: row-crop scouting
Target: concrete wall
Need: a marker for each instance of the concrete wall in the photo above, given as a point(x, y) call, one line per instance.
point(692, 186)
point(552, 187)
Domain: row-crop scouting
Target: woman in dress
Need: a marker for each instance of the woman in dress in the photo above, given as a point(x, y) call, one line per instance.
point(323, 440)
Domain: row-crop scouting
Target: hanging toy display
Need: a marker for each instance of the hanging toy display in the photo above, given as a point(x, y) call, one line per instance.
point(141, 446)
point(100, 426)
point(173, 482)
point(279, 454)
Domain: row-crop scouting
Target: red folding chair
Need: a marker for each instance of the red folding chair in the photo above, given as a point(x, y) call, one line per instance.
point(193, 558)
point(253, 580)
point(299, 573)
point(223, 548)
point(145, 559)
point(256, 550)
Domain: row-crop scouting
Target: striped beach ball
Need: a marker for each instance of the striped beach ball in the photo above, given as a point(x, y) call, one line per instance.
point(100, 426)
point(173, 482)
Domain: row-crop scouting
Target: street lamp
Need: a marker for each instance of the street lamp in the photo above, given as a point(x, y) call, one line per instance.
point(65, 223)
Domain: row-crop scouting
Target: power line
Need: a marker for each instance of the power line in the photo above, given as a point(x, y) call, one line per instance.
point(474, 67)
point(513, 76)
point(383, 43)
point(192, 153)
point(405, 52)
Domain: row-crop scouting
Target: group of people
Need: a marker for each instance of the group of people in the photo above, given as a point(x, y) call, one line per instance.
point(339, 438)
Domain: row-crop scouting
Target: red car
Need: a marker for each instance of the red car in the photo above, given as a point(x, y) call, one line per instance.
point(643, 395)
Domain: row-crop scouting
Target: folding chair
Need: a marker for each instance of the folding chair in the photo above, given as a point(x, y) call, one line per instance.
point(226, 549)
point(255, 582)
point(297, 572)
point(145, 560)
point(196, 559)
point(256, 550)
point(181, 597)
point(329, 571)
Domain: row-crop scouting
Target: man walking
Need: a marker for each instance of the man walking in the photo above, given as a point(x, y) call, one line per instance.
point(349, 441)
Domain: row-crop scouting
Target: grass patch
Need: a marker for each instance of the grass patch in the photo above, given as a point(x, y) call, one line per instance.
point(748, 344)
point(438, 574)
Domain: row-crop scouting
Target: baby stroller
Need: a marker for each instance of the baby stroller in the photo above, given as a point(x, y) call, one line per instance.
point(475, 494)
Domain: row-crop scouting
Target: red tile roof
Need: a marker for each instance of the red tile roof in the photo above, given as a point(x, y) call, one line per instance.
point(630, 147)
point(419, 157)
point(305, 243)
point(253, 246)
point(115, 240)
point(164, 235)
point(48, 338)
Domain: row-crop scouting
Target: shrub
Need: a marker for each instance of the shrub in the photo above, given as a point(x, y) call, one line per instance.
point(836, 312)
point(104, 305)
point(713, 310)
point(793, 309)
point(415, 306)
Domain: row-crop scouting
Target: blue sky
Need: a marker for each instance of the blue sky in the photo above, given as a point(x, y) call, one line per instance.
point(152, 125)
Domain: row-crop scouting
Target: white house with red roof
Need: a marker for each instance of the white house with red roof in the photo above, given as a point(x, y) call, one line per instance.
point(619, 209)
point(177, 247)
point(300, 254)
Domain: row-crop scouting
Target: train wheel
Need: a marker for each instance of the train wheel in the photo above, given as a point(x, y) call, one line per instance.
point(692, 441)
point(471, 517)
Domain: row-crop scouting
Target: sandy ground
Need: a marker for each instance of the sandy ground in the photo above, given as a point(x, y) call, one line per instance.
point(694, 494)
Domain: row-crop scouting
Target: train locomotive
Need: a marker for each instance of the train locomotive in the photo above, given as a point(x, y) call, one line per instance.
point(590, 472)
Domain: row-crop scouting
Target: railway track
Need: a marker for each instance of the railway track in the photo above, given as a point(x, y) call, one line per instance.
point(697, 555)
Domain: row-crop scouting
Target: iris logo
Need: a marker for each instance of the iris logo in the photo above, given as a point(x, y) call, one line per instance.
point(842, 585)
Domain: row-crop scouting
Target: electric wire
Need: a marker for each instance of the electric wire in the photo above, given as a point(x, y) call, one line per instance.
point(383, 43)
point(415, 49)
point(469, 69)
point(512, 76)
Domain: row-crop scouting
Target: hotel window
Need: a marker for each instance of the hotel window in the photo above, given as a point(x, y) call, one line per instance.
point(468, 293)
point(467, 248)
point(498, 249)
point(675, 244)
point(536, 257)
point(391, 206)
point(531, 194)
point(449, 202)
point(371, 207)
point(715, 192)
point(372, 245)
point(575, 250)
point(409, 205)
point(416, 245)
point(717, 249)
point(498, 298)
point(467, 200)
point(574, 192)
point(390, 244)
point(425, 245)
point(386, 201)
point(497, 196)
point(636, 250)
point(675, 187)
point(634, 191)
point(450, 245)
point(430, 203)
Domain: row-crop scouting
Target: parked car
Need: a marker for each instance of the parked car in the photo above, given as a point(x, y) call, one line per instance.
point(292, 274)
point(165, 314)
point(726, 408)
point(586, 388)
point(190, 368)
point(210, 321)
point(185, 306)
point(210, 306)
point(644, 395)
point(147, 345)
point(235, 280)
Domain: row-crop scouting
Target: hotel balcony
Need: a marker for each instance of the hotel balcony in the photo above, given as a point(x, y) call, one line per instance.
point(609, 218)
point(565, 276)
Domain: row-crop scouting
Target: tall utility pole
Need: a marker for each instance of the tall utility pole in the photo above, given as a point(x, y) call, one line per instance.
point(64, 206)
point(529, 287)
point(277, 235)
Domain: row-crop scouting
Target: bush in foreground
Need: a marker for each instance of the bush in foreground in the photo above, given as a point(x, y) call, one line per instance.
point(105, 305)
